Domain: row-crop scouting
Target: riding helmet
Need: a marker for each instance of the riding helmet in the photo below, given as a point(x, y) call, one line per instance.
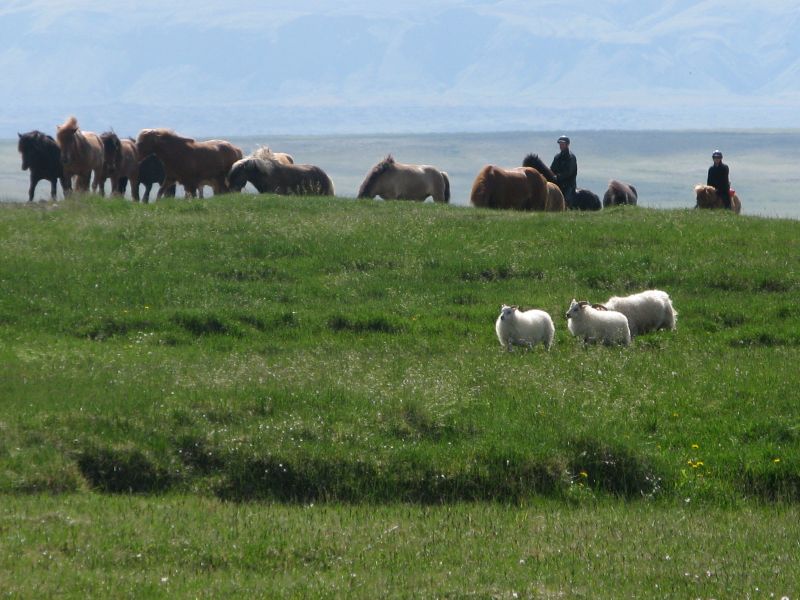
point(716, 154)
point(564, 139)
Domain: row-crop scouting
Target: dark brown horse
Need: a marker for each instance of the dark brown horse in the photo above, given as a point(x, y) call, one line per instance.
point(555, 198)
point(42, 156)
point(273, 177)
point(189, 162)
point(81, 154)
point(522, 188)
point(619, 193)
point(121, 162)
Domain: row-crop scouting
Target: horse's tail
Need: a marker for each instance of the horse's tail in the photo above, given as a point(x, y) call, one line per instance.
point(481, 195)
point(446, 187)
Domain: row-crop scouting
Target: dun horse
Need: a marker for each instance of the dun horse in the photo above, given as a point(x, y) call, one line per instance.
point(41, 154)
point(81, 154)
point(707, 197)
point(392, 180)
point(273, 177)
point(189, 162)
point(522, 188)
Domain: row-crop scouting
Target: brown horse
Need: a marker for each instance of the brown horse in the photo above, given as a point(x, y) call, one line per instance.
point(707, 197)
point(121, 162)
point(522, 188)
point(392, 180)
point(188, 162)
point(81, 154)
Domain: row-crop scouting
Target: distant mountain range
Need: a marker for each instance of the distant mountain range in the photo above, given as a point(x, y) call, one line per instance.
point(207, 69)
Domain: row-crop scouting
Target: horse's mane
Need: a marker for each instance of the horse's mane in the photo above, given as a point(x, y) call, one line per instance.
point(263, 152)
point(378, 170)
point(35, 140)
point(70, 123)
point(533, 161)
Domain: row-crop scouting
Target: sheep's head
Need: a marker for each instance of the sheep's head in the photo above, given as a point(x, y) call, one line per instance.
point(576, 307)
point(506, 312)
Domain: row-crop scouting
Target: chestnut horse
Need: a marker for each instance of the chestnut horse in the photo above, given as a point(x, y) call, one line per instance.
point(522, 188)
point(189, 162)
point(121, 162)
point(707, 197)
point(42, 156)
point(81, 154)
point(392, 180)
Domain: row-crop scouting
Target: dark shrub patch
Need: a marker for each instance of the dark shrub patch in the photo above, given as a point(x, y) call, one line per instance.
point(202, 324)
point(775, 482)
point(104, 328)
point(495, 477)
point(195, 451)
point(122, 470)
point(500, 273)
point(614, 469)
point(369, 325)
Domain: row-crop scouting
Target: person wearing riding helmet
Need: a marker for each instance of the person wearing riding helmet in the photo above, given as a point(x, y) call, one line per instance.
point(719, 178)
point(565, 168)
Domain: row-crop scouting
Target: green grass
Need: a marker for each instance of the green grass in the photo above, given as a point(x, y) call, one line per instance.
point(333, 351)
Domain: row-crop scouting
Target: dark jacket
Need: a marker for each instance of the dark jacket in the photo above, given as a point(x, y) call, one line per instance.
point(718, 176)
point(565, 167)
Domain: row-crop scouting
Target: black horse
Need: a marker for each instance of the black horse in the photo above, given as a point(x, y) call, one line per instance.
point(41, 154)
point(151, 170)
point(580, 199)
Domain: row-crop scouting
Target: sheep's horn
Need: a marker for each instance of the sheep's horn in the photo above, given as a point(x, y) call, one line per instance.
point(599, 307)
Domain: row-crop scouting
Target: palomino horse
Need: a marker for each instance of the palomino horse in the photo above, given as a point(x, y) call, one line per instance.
point(555, 198)
point(392, 180)
point(189, 162)
point(42, 156)
point(619, 193)
point(81, 154)
point(121, 161)
point(522, 188)
point(581, 199)
point(273, 177)
point(707, 197)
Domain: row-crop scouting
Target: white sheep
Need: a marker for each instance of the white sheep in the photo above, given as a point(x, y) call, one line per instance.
point(650, 310)
point(524, 328)
point(594, 323)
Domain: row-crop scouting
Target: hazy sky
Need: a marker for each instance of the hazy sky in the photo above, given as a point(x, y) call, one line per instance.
point(316, 66)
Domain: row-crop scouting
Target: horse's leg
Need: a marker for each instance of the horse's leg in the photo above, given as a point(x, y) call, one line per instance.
point(163, 187)
point(147, 187)
point(32, 187)
point(53, 190)
point(134, 181)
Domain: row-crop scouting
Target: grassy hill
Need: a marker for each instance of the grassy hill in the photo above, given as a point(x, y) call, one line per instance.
point(286, 350)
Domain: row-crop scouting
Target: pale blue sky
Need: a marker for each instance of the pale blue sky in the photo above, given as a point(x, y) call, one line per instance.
point(239, 67)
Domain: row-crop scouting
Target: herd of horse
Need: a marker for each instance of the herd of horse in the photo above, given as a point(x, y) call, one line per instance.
point(81, 160)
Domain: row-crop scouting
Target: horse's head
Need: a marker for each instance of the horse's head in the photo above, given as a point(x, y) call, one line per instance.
point(65, 135)
point(112, 151)
point(148, 142)
point(238, 175)
point(533, 161)
point(367, 189)
point(705, 196)
point(22, 147)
